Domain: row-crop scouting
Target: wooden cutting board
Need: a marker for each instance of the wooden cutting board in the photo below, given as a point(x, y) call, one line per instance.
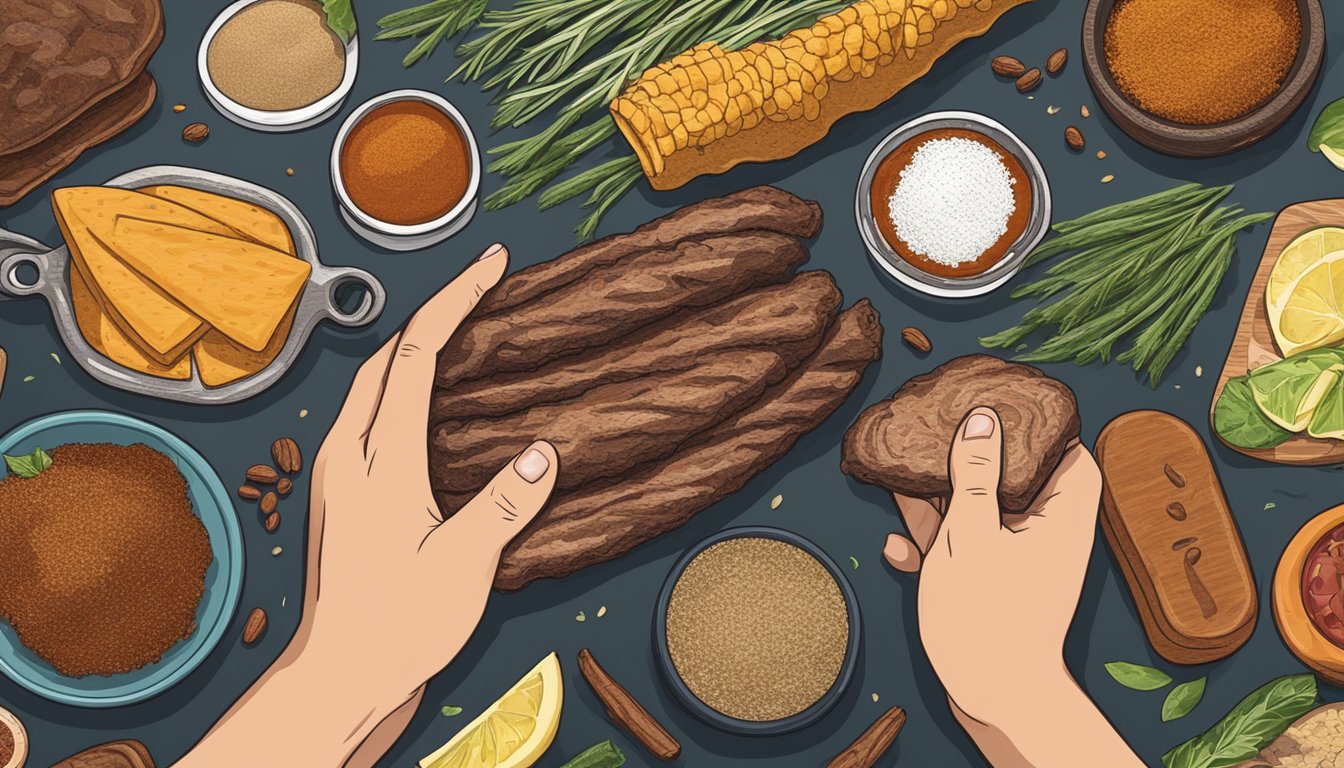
point(115, 754)
point(1254, 346)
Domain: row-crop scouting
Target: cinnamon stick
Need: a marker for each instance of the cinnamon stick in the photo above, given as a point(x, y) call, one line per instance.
point(627, 713)
point(865, 750)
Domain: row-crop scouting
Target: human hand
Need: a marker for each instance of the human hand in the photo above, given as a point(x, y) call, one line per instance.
point(997, 594)
point(392, 590)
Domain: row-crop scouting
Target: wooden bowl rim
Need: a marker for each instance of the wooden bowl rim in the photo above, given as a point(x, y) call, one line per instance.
point(1296, 628)
point(1269, 115)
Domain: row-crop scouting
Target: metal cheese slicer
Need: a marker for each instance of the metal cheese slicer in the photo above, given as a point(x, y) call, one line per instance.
point(317, 302)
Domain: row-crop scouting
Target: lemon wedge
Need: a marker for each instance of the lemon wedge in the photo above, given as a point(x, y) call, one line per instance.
point(515, 731)
point(1306, 250)
point(1309, 312)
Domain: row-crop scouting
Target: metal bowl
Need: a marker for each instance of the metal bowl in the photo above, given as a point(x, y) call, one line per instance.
point(407, 237)
point(911, 276)
point(210, 502)
point(265, 120)
point(682, 693)
point(317, 303)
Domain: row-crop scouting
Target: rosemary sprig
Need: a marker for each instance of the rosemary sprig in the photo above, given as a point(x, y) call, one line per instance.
point(1147, 269)
point(435, 21)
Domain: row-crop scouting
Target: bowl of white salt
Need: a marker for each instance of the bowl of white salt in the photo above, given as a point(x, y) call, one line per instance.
point(951, 204)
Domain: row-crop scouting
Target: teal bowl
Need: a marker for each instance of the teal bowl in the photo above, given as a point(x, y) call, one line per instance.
point(223, 580)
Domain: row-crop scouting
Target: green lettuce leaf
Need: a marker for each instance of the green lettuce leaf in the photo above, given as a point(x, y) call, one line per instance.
point(340, 18)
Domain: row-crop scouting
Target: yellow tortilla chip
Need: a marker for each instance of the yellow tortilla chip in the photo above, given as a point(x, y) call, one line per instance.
point(160, 326)
point(108, 340)
point(240, 288)
point(220, 361)
point(247, 219)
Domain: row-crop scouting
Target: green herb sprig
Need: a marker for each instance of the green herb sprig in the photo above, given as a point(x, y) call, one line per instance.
point(28, 465)
point(601, 755)
point(1145, 270)
point(1257, 720)
point(340, 18)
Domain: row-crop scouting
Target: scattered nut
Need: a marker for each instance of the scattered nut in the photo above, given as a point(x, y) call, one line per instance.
point(179, 107)
point(195, 132)
point(1055, 64)
point(287, 456)
point(1107, 179)
point(1029, 81)
point(262, 474)
point(284, 485)
point(1085, 112)
point(289, 171)
point(248, 493)
point(268, 503)
point(1008, 66)
point(1101, 154)
point(1075, 139)
point(256, 625)
point(917, 339)
point(272, 522)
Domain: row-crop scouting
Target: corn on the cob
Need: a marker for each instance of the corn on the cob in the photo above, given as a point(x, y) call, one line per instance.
point(708, 109)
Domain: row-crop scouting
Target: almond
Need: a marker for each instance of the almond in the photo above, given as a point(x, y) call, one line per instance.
point(1007, 66)
point(1029, 81)
point(262, 474)
point(917, 339)
point(1074, 137)
point(272, 522)
point(248, 493)
point(1055, 64)
point(284, 486)
point(195, 132)
point(256, 625)
point(287, 456)
point(268, 503)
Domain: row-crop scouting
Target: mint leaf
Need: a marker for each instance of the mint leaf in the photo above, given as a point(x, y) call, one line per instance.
point(449, 711)
point(1182, 699)
point(28, 466)
point(340, 18)
point(1137, 676)
point(1257, 720)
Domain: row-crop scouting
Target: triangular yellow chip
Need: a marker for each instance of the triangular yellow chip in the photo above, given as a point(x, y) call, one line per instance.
point(220, 362)
point(107, 339)
point(240, 288)
point(247, 219)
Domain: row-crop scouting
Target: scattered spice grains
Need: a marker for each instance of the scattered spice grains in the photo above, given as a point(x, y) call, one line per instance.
point(1202, 62)
point(757, 628)
point(276, 552)
point(1101, 154)
point(1107, 179)
point(1199, 371)
point(581, 617)
point(290, 172)
point(179, 107)
point(1085, 112)
point(775, 502)
point(601, 611)
point(104, 561)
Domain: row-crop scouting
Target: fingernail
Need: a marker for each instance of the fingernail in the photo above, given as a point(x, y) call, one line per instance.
point(978, 427)
point(532, 465)
point(492, 251)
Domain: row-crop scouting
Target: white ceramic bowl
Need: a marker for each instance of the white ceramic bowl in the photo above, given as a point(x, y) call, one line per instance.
point(265, 120)
point(407, 237)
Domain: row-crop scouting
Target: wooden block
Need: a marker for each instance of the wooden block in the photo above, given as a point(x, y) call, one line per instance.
point(114, 754)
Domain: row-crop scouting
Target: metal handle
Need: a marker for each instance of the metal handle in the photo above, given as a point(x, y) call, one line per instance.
point(375, 296)
point(19, 250)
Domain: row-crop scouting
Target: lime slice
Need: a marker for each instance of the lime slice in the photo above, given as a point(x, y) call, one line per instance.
point(1300, 255)
point(1289, 391)
point(1310, 312)
point(1328, 420)
point(515, 731)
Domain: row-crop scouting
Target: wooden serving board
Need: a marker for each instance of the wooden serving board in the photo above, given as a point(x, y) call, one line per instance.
point(1254, 346)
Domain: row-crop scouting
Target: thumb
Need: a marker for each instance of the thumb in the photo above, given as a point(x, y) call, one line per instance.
point(974, 467)
point(512, 499)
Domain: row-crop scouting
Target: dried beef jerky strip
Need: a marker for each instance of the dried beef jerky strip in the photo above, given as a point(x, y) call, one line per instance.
point(610, 428)
point(768, 209)
point(605, 521)
point(790, 319)
point(614, 301)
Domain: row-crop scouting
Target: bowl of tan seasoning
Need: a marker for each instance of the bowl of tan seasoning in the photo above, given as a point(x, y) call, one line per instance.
point(951, 204)
point(406, 170)
point(757, 631)
point(1199, 78)
point(276, 65)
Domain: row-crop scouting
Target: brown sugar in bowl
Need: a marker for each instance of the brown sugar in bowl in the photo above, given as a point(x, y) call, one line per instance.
point(1166, 135)
point(1298, 626)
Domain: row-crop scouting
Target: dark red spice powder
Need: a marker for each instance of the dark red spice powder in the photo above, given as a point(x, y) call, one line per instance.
point(104, 561)
point(6, 745)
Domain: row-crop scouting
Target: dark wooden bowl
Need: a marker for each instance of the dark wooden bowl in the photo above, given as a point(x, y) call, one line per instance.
point(1202, 140)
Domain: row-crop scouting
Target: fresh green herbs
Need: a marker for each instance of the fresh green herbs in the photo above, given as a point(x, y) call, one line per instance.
point(1257, 720)
point(854, 561)
point(1239, 421)
point(603, 755)
point(30, 465)
point(1137, 676)
point(1146, 269)
point(1182, 699)
point(1328, 134)
point(568, 59)
point(449, 710)
point(340, 18)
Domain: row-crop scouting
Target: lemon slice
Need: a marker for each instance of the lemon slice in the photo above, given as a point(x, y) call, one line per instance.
point(1301, 254)
point(515, 731)
point(1310, 312)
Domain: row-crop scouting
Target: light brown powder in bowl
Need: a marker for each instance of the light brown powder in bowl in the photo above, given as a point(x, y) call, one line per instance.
point(276, 55)
point(757, 628)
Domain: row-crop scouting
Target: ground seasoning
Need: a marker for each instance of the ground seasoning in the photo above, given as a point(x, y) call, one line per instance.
point(276, 55)
point(6, 745)
point(1201, 62)
point(406, 162)
point(104, 561)
point(757, 628)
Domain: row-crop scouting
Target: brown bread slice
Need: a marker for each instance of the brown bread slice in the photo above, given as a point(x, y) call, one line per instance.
point(608, 429)
point(768, 209)
point(789, 318)
point(614, 301)
point(604, 521)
